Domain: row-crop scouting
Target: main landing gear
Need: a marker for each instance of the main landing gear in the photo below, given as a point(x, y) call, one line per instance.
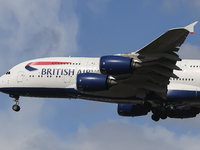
point(16, 107)
point(160, 112)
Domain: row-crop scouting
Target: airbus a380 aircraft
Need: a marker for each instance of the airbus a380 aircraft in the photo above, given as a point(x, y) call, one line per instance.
point(153, 78)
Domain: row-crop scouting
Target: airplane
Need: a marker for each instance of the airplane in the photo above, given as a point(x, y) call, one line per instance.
point(151, 79)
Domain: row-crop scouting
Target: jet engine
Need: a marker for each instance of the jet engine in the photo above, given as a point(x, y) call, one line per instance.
point(116, 65)
point(133, 110)
point(91, 82)
point(182, 113)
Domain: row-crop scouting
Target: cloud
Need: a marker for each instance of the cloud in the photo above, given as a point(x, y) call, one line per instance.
point(26, 129)
point(32, 29)
point(188, 51)
point(15, 128)
point(119, 135)
point(42, 140)
point(21, 131)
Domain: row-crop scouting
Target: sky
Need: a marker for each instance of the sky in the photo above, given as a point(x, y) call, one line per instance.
point(43, 28)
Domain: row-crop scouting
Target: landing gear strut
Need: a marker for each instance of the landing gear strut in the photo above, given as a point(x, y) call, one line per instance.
point(16, 107)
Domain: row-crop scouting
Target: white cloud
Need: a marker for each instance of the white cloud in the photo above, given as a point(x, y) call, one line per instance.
point(42, 140)
point(31, 29)
point(119, 135)
point(34, 29)
point(23, 131)
point(188, 51)
point(15, 128)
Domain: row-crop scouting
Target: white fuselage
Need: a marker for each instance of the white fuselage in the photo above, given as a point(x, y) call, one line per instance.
point(189, 78)
point(56, 77)
point(61, 73)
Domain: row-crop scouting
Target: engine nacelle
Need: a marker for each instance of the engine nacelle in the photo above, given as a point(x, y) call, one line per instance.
point(116, 65)
point(182, 113)
point(133, 110)
point(91, 82)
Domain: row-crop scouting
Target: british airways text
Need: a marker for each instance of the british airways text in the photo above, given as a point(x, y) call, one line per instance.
point(70, 72)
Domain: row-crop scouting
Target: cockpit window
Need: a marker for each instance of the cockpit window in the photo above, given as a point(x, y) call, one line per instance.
point(8, 72)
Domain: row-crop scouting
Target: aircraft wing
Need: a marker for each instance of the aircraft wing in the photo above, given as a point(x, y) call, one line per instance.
point(156, 62)
point(168, 42)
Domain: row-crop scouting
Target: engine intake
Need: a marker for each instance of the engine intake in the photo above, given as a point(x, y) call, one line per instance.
point(116, 65)
point(91, 82)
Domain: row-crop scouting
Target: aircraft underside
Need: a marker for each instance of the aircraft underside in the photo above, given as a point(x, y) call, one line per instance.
point(173, 107)
point(172, 96)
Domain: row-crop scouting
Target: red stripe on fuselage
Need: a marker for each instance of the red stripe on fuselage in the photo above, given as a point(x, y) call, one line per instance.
point(48, 63)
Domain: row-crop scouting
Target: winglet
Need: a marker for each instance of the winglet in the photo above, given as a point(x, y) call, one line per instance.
point(190, 27)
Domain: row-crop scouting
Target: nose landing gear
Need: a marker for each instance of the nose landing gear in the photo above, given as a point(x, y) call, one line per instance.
point(16, 107)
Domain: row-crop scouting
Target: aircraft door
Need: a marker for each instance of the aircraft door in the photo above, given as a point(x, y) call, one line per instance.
point(90, 65)
point(20, 76)
point(184, 65)
point(67, 79)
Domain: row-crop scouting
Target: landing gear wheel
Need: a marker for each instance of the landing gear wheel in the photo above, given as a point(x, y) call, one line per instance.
point(16, 107)
point(155, 117)
point(163, 117)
